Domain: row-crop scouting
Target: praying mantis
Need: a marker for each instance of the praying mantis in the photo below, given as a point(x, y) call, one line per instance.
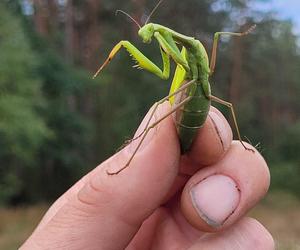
point(190, 93)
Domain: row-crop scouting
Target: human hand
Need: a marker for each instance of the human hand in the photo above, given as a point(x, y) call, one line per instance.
point(164, 200)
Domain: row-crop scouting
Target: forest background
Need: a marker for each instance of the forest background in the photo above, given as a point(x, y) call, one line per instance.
point(56, 123)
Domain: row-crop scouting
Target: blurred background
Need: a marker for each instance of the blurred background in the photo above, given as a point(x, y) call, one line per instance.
point(56, 123)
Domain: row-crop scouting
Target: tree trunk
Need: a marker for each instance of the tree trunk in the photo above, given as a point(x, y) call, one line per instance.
point(69, 32)
point(41, 17)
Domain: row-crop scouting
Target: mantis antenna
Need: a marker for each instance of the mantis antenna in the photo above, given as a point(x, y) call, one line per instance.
point(126, 14)
point(152, 12)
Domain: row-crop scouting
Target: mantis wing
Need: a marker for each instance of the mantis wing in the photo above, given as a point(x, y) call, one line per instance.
point(179, 77)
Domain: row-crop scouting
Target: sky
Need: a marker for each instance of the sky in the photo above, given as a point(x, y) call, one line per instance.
point(286, 9)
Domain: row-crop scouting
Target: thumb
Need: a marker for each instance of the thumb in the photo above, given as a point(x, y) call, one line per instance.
point(108, 210)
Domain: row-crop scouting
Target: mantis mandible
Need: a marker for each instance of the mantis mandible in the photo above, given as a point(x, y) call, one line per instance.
point(190, 82)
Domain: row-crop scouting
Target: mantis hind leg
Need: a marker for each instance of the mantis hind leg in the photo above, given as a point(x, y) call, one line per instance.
point(215, 45)
point(150, 126)
point(156, 105)
point(229, 105)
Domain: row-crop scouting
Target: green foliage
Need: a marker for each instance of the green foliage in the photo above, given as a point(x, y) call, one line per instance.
point(290, 144)
point(271, 81)
point(44, 138)
point(285, 176)
point(63, 157)
point(286, 171)
point(10, 185)
point(22, 128)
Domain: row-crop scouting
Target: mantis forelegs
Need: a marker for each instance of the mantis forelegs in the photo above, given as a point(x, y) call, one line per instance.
point(168, 45)
point(141, 59)
point(229, 105)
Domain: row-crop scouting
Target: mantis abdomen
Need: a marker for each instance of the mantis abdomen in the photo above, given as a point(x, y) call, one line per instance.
point(192, 115)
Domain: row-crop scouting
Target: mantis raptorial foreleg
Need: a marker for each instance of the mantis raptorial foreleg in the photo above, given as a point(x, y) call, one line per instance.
point(146, 131)
point(171, 49)
point(141, 59)
point(182, 88)
point(229, 105)
point(215, 45)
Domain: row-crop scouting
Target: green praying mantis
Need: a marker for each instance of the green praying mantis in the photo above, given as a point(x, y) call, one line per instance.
point(190, 93)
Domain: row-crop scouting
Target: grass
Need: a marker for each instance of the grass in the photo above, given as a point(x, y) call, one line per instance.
point(17, 224)
point(278, 212)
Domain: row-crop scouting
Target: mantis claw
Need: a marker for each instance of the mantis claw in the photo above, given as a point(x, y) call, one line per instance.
point(118, 171)
point(248, 149)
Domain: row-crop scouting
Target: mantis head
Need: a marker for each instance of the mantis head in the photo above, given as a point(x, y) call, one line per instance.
point(146, 32)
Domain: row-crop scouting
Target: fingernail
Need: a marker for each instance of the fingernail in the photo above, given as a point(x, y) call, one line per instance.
point(221, 130)
point(215, 199)
point(142, 130)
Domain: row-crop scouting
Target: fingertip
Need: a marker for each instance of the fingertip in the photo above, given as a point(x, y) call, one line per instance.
point(211, 143)
point(207, 203)
point(226, 190)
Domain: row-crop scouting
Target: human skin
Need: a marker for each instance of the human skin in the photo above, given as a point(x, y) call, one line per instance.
point(164, 200)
